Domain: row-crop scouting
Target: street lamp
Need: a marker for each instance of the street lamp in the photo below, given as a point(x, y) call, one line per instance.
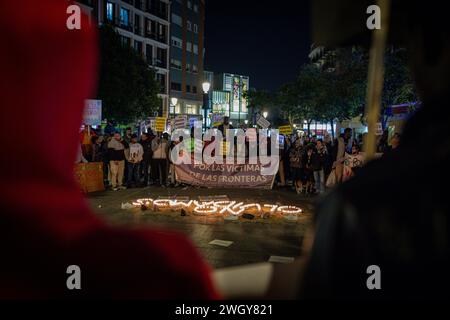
point(246, 121)
point(265, 114)
point(206, 86)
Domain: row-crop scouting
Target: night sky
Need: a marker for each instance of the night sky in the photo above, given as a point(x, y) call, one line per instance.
point(265, 40)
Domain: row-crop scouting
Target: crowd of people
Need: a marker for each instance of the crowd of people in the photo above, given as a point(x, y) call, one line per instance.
point(307, 163)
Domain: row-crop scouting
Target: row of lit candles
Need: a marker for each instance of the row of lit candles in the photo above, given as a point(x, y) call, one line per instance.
point(216, 207)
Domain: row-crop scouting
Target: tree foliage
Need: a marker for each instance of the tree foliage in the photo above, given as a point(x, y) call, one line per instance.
point(127, 85)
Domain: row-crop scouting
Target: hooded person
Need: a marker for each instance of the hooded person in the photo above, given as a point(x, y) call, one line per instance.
point(46, 224)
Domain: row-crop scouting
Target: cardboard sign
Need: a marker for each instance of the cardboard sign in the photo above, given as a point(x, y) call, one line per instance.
point(160, 124)
point(217, 119)
point(92, 112)
point(285, 130)
point(180, 122)
point(89, 176)
point(262, 122)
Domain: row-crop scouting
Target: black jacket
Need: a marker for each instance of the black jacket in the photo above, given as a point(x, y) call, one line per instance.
point(147, 146)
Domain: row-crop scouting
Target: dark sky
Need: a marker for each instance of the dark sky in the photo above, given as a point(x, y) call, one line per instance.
point(268, 40)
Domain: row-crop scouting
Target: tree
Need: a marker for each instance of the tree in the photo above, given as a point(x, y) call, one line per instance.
point(258, 100)
point(127, 85)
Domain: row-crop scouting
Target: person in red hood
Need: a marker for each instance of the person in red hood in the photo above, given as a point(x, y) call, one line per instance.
point(46, 225)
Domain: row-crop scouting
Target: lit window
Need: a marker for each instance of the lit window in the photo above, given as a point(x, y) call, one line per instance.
point(189, 46)
point(191, 109)
point(109, 11)
point(195, 8)
point(189, 4)
point(195, 28)
point(189, 25)
point(195, 49)
point(124, 16)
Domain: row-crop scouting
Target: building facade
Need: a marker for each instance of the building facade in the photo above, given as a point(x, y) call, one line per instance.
point(187, 56)
point(228, 96)
point(143, 25)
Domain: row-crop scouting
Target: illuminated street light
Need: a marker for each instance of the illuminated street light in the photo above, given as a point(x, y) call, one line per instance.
point(174, 101)
point(265, 114)
point(246, 121)
point(206, 86)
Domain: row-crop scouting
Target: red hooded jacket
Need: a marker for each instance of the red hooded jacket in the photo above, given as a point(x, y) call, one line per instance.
point(46, 72)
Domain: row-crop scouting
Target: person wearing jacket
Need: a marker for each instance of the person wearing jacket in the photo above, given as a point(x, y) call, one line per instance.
point(160, 148)
point(308, 169)
point(134, 155)
point(296, 165)
point(319, 159)
point(146, 143)
point(116, 155)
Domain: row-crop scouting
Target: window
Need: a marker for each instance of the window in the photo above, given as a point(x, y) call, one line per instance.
point(150, 28)
point(162, 33)
point(109, 11)
point(175, 64)
point(161, 78)
point(161, 57)
point(195, 8)
point(189, 4)
point(175, 86)
point(189, 47)
point(137, 24)
point(188, 88)
point(195, 28)
point(194, 68)
point(194, 89)
point(149, 54)
point(188, 67)
point(176, 19)
point(138, 46)
point(124, 17)
point(195, 49)
point(177, 42)
point(191, 109)
point(189, 25)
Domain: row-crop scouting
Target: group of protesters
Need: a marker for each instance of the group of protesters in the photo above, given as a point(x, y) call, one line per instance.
point(309, 164)
point(128, 160)
point(312, 164)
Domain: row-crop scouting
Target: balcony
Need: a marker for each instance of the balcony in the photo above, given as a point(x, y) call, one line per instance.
point(157, 37)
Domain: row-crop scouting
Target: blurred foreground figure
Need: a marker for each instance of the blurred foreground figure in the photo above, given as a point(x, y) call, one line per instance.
point(45, 224)
point(395, 212)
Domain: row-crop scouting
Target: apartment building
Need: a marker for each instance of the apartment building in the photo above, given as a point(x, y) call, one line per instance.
point(187, 56)
point(143, 25)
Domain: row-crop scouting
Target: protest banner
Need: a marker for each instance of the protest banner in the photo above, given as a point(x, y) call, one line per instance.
point(92, 115)
point(160, 124)
point(180, 122)
point(262, 122)
point(224, 176)
point(217, 119)
point(285, 130)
